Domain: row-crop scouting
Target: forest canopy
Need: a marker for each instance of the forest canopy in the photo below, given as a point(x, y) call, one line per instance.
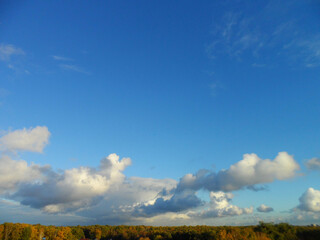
point(263, 231)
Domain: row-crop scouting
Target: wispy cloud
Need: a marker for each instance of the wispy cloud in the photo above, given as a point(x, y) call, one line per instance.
point(263, 35)
point(14, 59)
point(214, 87)
point(60, 58)
point(9, 50)
point(258, 65)
point(74, 68)
point(310, 49)
point(234, 34)
point(67, 66)
point(4, 92)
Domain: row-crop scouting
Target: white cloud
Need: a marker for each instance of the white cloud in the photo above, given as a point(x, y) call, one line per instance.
point(105, 194)
point(8, 50)
point(251, 170)
point(112, 166)
point(32, 139)
point(310, 201)
point(73, 68)
point(15, 172)
point(244, 174)
point(60, 58)
point(264, 208)
point(73, 189)
point(120, 202)
point(220, 207)
point(313, 164)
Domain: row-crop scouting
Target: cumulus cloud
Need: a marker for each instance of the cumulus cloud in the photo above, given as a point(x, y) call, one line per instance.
point(313, 164)
point(310, 201)
point(264, 208)
point(220, 207)
point(75, 188)
point(120, 203)
point(32, 139)
point(15, 172)
point(251, 170)
point(8, 50)
point(178, 202)
point(244, 174)
point(105, 194)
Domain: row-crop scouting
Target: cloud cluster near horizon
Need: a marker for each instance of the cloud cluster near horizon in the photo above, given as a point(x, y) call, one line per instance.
point(105, 192)
point(247, 173)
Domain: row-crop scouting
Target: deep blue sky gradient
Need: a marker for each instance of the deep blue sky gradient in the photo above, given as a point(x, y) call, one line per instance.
point(164, 83)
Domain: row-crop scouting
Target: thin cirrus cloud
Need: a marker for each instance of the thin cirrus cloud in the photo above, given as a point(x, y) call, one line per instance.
point(68, 67)
point(71, 67)
point(9, 50)
point(61, 58)
point(105, 193)
point(238, 36)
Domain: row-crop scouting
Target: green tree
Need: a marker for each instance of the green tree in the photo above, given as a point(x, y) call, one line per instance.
point(26, 233)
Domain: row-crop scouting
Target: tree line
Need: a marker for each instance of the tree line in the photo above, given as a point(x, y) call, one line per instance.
point(263, 231)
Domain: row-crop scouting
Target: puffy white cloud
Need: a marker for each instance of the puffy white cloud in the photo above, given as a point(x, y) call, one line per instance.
point(75, 188)
point(8, 50)
point(15, 172)
point(119, 204)
point(313, 164)
point(105, 194)
point(112, 167)
point(264, 208)
point(220, 207)
point(246, 173)
point(183, 197)
point(310, 201)
point(32, 139)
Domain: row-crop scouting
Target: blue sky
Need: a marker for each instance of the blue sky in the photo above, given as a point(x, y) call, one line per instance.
point(177, 88)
